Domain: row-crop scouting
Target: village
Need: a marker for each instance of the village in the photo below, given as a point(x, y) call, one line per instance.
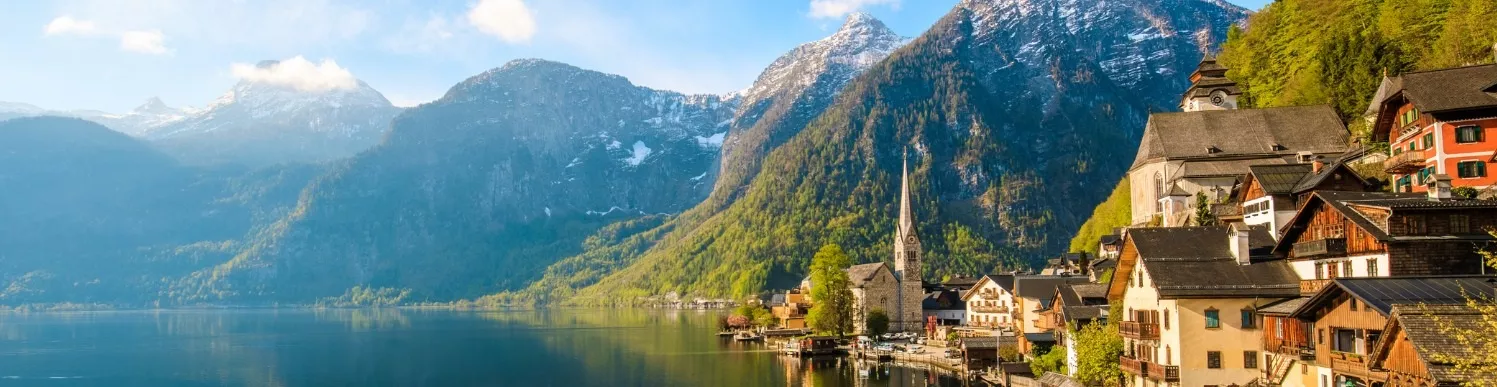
point(1261, 253)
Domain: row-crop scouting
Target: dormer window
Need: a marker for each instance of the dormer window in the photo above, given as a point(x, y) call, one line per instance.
point(1278, 147)
point(1213, 150)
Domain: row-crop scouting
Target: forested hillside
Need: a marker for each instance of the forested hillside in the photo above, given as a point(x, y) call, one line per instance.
point(1304, 52)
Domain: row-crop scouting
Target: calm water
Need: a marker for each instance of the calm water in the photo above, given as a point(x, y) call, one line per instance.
point(405, 348)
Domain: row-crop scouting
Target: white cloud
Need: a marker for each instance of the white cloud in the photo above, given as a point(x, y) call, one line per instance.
point(67, 25)
point(509, 20)
point(298, 73)
point(840, 8)
point(145, 42)
point(141, 41)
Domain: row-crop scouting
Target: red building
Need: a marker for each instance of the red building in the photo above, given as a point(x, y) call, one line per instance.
point(1438, 122)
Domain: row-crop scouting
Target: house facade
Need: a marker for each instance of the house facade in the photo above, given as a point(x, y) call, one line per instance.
point(1271, 193)
point(1188, 295)
point(1032, 297)
point(1347, 321)
point(1438, 122)
point(990, 304)
point(1378, 234)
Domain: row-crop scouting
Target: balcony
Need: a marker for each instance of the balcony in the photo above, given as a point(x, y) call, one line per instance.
point(1133, 366)
point(1303, 352)
point(1404, 163)
point(1320, 248)
point(1167, 373)
point(990, 309)
point(1308, 287)
point(1139, 330)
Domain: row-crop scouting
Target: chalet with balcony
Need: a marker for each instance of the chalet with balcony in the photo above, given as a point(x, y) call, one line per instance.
point(1345, 322)
point(1272, 193)
point(1376, 234)
point(944, 307)
point(1074, 306)
point(1438, 122)
point(1033, 295)
point(1189, 296)
point(1288, 353)
point(1415, 352)
point(990, 304)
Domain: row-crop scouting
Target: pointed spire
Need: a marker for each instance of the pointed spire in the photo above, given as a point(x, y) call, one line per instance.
point(906, 213)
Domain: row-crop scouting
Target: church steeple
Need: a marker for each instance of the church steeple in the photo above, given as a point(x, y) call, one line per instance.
point(906, 213)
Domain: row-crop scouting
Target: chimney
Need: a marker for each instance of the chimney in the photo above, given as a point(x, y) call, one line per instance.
point(1237, 241)
point(1317, 165)
point(1439, 189)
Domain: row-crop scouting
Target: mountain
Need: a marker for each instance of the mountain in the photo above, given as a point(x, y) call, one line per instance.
point(261, 123)
point(152, 114)
point(1009, 109)
point(93, 215)
point(794, 89)
point(478, 191)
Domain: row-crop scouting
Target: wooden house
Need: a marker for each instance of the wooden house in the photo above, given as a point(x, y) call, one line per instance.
point(1376, 234)
point(1348, 317)
point(1438, 122)
point(1415, 352)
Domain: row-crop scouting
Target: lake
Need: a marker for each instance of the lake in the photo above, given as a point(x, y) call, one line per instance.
point(406, 347)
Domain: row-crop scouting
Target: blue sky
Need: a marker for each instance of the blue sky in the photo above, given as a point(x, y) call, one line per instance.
point(113, 54)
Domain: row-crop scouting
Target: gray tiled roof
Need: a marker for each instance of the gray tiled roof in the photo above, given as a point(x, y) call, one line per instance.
point(1317, 129)
point(1451, 89)
point(1284, 307)
point(860, 274)
point(1280, 179)
point(1422, 324)
point(1382, 293)
point(1041, 287)
point(1195, 262)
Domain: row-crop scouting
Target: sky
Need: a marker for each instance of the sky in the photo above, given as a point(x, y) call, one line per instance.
point(112, 55)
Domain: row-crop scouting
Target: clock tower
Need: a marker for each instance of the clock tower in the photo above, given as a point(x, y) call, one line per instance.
point(907, 260)
point(1210, 89)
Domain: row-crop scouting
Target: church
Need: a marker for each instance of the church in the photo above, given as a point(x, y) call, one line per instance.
point(900, 291)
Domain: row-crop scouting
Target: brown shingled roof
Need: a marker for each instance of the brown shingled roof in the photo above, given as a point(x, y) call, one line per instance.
point(1451, 89)
point(1421, 324)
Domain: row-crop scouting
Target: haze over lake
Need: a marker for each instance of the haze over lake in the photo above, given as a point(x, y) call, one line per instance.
point(403, 347)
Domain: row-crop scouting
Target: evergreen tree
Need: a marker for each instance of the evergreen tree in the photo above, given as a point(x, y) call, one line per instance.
point(876, 322)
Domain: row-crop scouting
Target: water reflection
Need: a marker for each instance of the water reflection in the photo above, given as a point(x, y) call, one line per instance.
point(409, 347)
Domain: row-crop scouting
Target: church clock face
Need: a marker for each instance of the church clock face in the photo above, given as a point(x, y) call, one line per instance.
point(910, 239)
point(1218, 98)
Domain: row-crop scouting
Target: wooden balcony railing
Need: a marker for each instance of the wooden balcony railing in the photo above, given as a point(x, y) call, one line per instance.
point(1406, 162)
point(1308, 287)
point(1167, 373)
point(1302, 351)
point(990, 309)
point(1320, 248)
point(1133, 366)
point(1139, 330)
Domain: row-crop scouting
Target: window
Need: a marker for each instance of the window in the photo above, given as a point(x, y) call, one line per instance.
point(1345, 341)
point(1429, 141)
point(1468, 134)
point(1320, 336)
point(1168, 355)
point(1372, 268)
point(1248, 322)
point(1414, 224)
point(1405, 184)
point(1213, 318)
point(1460, 224)
point(1278, 328)
point(1330, 270)
point(1166, 319)
point(1158, 192)
point(1425, 174)
point(1471, 169)
point(1346, 269)
point(1353, 304)
point(1214, 359)
point(1319, 270)
point(1249, 359)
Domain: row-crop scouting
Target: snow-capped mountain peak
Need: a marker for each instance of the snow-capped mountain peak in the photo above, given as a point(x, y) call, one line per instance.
point(861, 41)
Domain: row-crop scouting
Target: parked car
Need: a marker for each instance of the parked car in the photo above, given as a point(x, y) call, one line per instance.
point(884, 347)
point(915, 349)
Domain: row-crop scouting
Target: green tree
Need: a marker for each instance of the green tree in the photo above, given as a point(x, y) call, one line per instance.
point(876, 322)
point(1204, 217)
point(1098, 347)
point(1052, 361)
point(831, 309)
point(1116, 211)
point(1008, 352)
